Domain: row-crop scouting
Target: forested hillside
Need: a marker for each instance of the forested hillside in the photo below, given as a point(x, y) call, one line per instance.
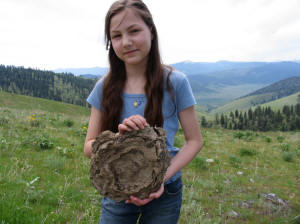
point(264, 95)
point(259, 119)
point(280, 89)
point(63, 87)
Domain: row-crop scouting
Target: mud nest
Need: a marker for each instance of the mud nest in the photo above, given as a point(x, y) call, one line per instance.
point(130, 164)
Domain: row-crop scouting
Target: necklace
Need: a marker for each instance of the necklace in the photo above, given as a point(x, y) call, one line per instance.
point(135, 103)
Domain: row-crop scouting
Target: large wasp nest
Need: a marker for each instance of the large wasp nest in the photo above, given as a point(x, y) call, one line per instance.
point(133, 163)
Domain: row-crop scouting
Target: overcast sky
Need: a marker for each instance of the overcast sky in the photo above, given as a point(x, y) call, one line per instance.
point(51, 34)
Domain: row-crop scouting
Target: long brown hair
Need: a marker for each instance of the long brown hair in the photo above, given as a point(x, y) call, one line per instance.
point(112, 102)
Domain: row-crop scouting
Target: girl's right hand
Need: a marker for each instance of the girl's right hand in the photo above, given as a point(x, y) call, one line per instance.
point(134, 122)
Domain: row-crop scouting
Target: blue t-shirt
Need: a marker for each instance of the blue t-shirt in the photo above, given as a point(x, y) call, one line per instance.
point(183, 98)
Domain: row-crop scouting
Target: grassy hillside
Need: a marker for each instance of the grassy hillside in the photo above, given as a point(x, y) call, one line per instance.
point(223, 94)
point(247, 102)
point(44, 176)
point(15, 101)
point(282, 88)
point(45, 84)
point(289, 100)
point(266, 94)
point(243, 103)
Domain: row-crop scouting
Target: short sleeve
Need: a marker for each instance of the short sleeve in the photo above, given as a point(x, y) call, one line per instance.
point(95, 96)
point(184, 93)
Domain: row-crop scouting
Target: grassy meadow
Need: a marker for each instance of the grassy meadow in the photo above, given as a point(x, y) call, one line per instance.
point(44, 175)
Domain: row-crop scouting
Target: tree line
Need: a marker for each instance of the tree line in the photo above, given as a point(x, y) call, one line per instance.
point(258, 119)
point(64, 87)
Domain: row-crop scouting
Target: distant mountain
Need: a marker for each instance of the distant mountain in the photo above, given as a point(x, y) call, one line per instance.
point(264, 95)
point(280, 89)
point(221, 72)
point(264, 73)
point(216, 83)
point(89, 76)
point(96, 71)
point(196, 68)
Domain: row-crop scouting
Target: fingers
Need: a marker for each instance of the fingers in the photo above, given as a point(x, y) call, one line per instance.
point(135, 122)
point(137, 201)
point(141, 202)
point(123, 128)
point(158, 193)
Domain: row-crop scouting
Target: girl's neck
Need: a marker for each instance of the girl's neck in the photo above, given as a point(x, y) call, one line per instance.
point(135, 80)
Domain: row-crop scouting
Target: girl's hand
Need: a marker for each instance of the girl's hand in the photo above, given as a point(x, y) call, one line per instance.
point(134, 122)
point(141, 202)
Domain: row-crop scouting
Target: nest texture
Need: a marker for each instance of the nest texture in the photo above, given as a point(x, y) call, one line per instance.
point(133, 163)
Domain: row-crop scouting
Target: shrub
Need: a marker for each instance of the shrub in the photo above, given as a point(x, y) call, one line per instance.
point(285, 147)
point(288, 156)
point(234, 161)
point(68, 122)
point(3, 121)
point(247, 152)
point(34, 121)
point(238, 135)
point(68, 152)
point(280, 139)
point(44, 142)
point(268, 139)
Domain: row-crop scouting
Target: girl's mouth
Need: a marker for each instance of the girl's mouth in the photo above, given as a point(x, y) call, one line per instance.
point(129, 52)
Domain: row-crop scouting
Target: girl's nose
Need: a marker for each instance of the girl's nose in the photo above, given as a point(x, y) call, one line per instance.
point(126, 40)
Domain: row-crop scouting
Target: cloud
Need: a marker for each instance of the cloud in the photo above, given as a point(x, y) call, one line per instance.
point(69, 33)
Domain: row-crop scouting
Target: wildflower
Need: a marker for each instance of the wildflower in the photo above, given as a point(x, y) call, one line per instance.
point(32, 182)
point(209, 160)
point(239, 173)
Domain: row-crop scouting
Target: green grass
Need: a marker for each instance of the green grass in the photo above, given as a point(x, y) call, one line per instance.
point(40, 184)
point(277, 104)
point(242, 104)
point(22, 102)
point(247, 102)
point(224, 94)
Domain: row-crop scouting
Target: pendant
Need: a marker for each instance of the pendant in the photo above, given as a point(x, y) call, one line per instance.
point(135, 103)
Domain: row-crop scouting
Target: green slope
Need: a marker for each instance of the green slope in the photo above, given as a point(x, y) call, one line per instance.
point(15, 101)
point(247, 102)
point(273, 92)
point(244, 103)
point(289, 100)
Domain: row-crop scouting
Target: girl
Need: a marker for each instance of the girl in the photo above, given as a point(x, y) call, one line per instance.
point(139, 91)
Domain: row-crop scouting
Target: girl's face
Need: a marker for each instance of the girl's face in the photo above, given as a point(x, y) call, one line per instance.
point(130, 37)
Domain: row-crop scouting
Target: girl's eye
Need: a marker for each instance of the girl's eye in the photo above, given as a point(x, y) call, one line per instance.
point(116, 36)
point(134, 31)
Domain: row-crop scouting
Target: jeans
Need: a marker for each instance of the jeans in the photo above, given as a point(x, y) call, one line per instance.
point(163, 210)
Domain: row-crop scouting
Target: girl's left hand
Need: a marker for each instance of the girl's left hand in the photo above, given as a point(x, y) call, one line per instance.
point(134, 122)
point(141, 202)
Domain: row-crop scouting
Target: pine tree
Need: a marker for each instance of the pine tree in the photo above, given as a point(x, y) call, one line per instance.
point(203, 122)
point(236, 113)
point(222, 120)
point(217, 119)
